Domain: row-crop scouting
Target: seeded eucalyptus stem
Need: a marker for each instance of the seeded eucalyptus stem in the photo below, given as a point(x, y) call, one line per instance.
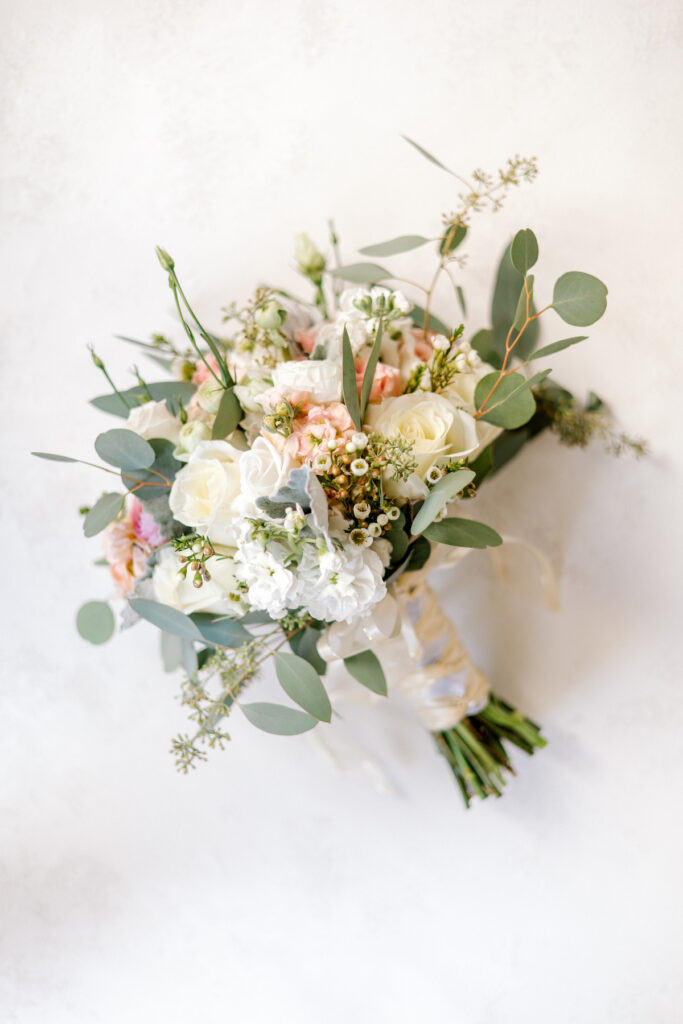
point(475, 748)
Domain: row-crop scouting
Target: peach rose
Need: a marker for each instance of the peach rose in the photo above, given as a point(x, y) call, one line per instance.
point(386, 382)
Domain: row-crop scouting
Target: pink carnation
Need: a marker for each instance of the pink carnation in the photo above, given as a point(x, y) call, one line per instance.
point(386, 382)
point(128, 542)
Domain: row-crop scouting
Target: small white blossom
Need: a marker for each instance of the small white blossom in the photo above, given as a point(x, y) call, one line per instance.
point(441, 343)
point(359, 467)
point(362, 510)
point(360, 440)
point(375, 530)
point(394, 512)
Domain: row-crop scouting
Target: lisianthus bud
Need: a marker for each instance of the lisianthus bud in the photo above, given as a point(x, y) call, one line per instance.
point(311, 262)
point(165, 260)
point(209, 395)
point(269, 317)
point(188, 439)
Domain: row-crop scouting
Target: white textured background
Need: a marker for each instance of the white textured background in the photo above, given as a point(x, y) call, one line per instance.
point(263, 888)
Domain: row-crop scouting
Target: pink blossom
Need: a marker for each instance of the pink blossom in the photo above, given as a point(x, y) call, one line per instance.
point(386, 382)
point(128, 542)
point(307, 337)
point(318, 423)
point(202, 371)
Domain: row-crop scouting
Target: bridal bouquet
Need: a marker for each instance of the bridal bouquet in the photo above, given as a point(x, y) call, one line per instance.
point(283, 495)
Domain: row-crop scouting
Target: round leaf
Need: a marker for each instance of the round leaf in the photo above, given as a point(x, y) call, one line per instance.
point(277, 719)
point(524, 250)
point(439, 496)
point(463, 533)
point(366, 669)
point(95, 622)
point(580, 299)
point(125, 449)
point(301, 682)
point(220, 630)
point(511, 404)
point(166, 618)
point(103, 512)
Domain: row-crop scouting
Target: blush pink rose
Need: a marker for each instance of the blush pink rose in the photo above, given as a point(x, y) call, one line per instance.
point(320, 423)
point(202, 371)
point(128, 542)
point(386, 382)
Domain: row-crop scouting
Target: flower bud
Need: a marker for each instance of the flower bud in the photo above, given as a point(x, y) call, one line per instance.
point(209, 394)
point(310, 261)
point(269, 316)
point(164, 259)
point(189, 437)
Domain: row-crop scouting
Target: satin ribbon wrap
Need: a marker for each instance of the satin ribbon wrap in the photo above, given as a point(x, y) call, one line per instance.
point(438, 677)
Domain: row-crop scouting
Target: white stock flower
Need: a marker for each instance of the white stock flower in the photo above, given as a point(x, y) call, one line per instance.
point(204, 491)
point(170, 588)
point(270, 584)
point(322, 378)
point(152, 419)
point(436, 429)
point(340, 584)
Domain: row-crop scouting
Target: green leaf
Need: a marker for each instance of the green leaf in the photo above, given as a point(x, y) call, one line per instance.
point(166, 618)
point(171, 652)
point(369, 375)
point(504, 306)
point(156, 482)
point(557, 346)
point(524, 250)
point(173, 392)
point(509, 411)
point(463, 533)
point(125, 449)
point(305, 644)
point(218, 629)
point(228, 416)
point(350, 388)
point(404, 243)
point(580, 299)
point(439, 496)
point(455, 236)
point(54, 458)
point(461, 299)
point(303, 685)
point(483, 342)
point(520, 311)
point(362, 273)
point(418, 556)
point(428, 156)
point(277, 719)
point(190, 656)
point(366, 669)
point(418, 318)
point(482, 465)
point(103, 512)
point(398, 538)
point(95, 622)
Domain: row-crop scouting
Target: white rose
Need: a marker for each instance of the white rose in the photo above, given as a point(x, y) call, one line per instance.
point(170, 588)
point(204, 491)
point(152, 419)
point(436, 429)
point(321, 377)
point(263, 471)
point(461, 393)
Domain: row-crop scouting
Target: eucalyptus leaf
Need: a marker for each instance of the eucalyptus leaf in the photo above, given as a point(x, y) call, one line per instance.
point(171, 652)
point(428, 156)
point(404, 243)
point(418, 554)
point(103, 512)
point(303, 685)
point(156, 482)
point(350, 387)
point(54, 458)
point(190, 656)
point(441, 493)
point(218, 629)
point(398, 538)
point(521, 310)
point(557, 346)
point(173, 392)
point(461, 299)
point(504, 306)
point(463, 533)
point(366, 669)
point(455, 236)
point(362, 273)
point(418, 315)
point(95, 622)
point(369, 375)
point(524, 250)
point(514, 403)
point(277, 718)
point(125, 449)
point(228, 416)
point(166, 618)
point(305, 643)
point(580, 299)
point(483, 343)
